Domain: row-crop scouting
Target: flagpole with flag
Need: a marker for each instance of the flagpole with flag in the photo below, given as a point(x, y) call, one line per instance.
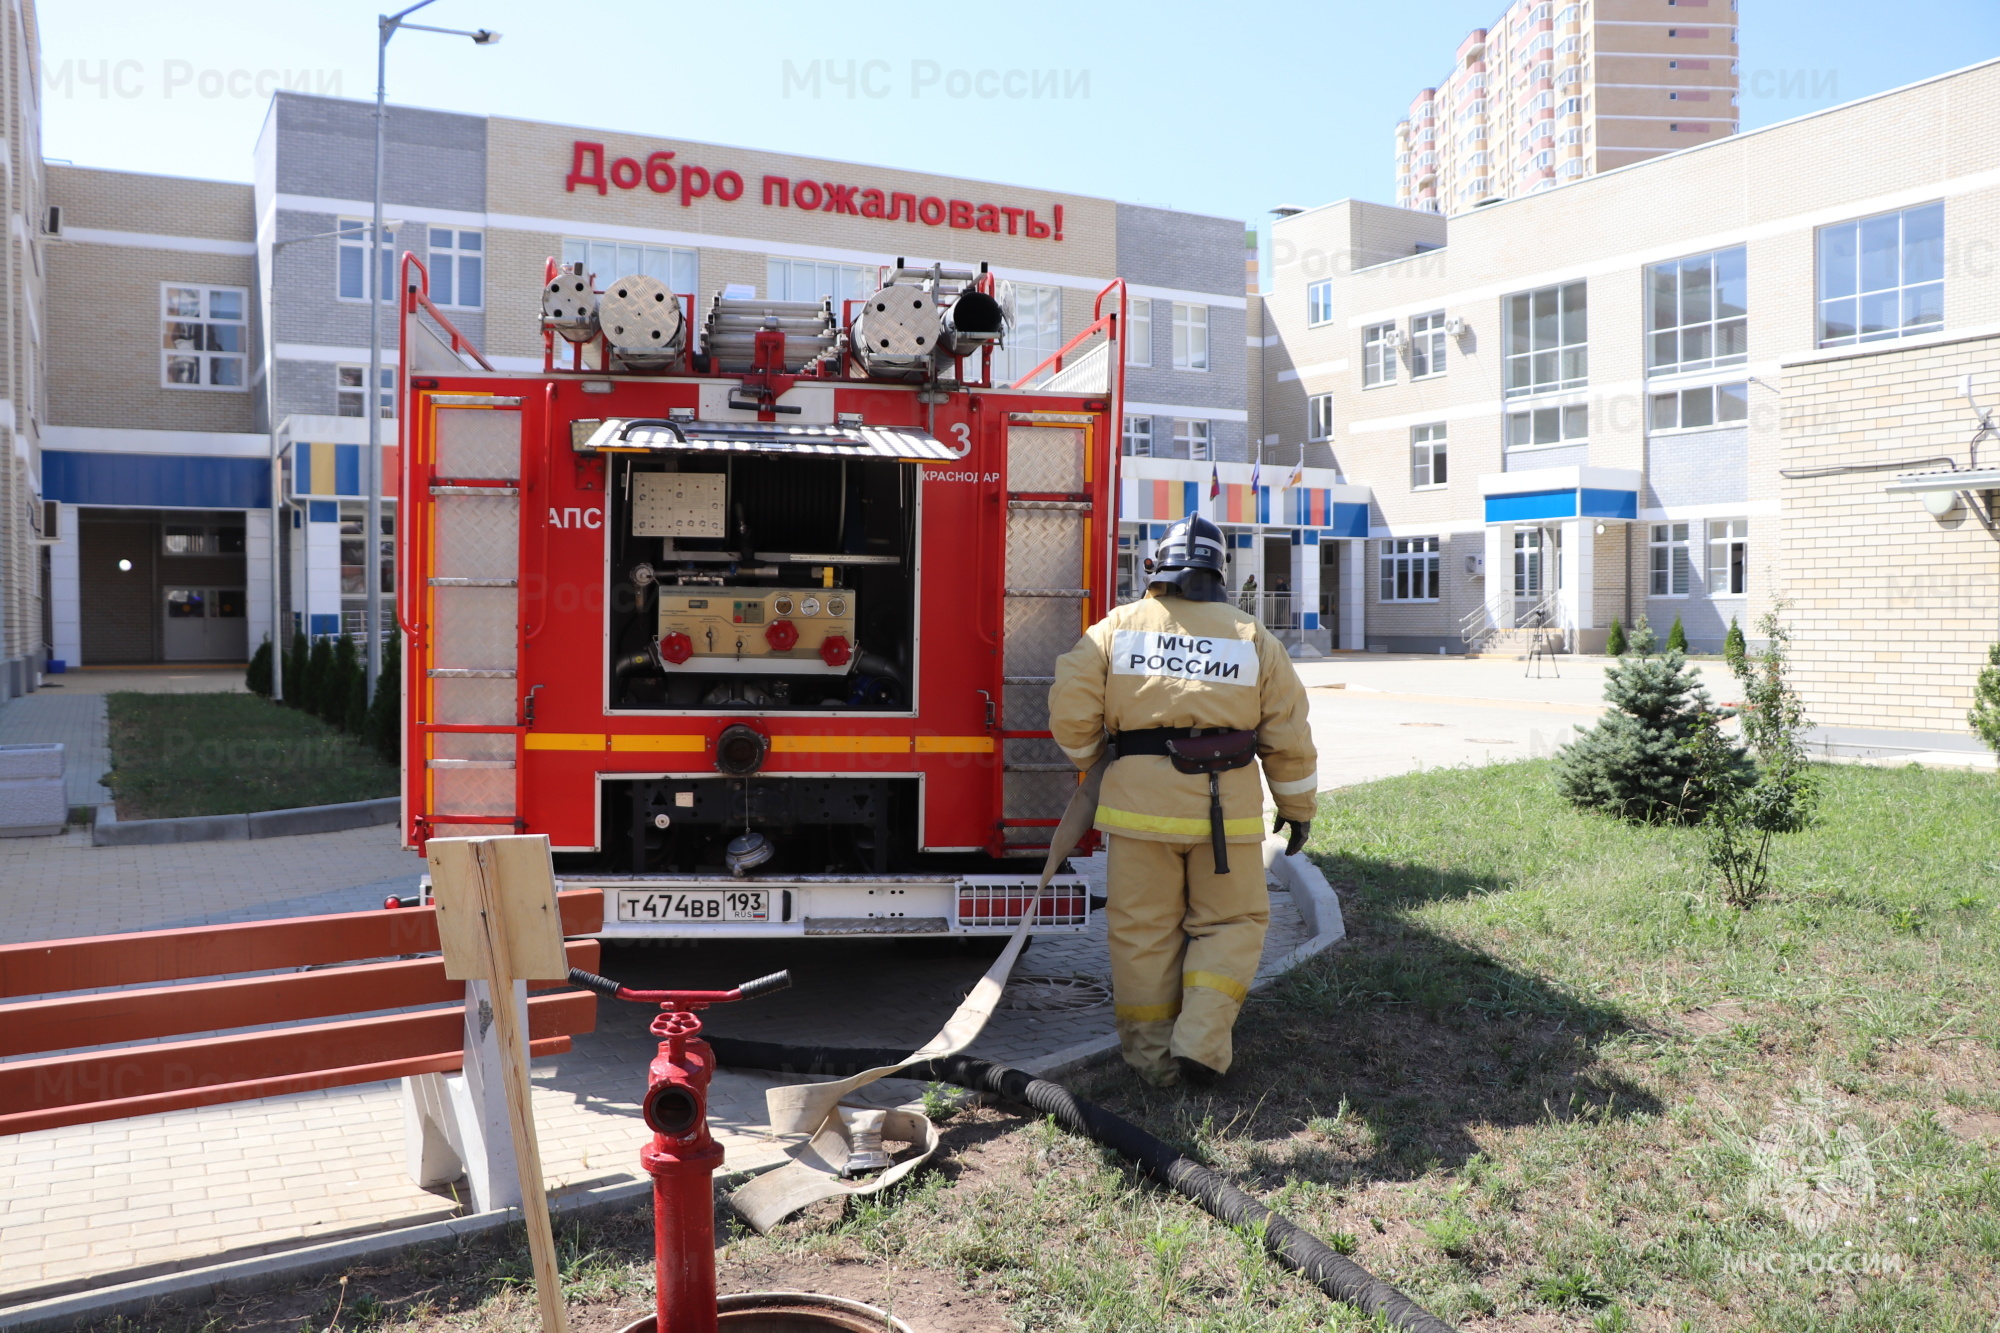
point(1214, 491)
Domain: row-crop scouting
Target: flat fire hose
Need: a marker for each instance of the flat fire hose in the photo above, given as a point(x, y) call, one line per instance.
point(815, 1171)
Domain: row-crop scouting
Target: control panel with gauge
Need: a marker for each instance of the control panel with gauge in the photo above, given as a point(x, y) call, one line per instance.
point(767, 631)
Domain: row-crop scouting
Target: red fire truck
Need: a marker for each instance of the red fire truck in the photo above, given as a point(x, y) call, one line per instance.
point(752, 606)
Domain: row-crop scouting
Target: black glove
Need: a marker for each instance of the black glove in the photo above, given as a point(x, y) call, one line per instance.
point(1301, 829)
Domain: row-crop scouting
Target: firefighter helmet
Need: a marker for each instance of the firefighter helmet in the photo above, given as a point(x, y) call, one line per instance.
point(1189, 559)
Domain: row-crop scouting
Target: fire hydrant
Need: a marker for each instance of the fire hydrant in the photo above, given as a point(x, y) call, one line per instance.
point(682, 1156)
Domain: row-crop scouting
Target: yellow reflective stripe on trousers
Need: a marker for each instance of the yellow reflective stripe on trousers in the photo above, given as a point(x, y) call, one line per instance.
point(1215, 981)
point(1193, 828)
point(1146, 1013)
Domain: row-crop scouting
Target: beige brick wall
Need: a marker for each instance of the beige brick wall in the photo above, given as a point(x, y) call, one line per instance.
point(106, 370)
point(1892, 610)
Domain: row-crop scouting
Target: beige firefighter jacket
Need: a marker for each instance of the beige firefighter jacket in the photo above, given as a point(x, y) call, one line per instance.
point(1169, 662)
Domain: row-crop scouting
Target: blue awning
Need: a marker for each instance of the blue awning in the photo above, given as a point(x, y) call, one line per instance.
point(155, 481)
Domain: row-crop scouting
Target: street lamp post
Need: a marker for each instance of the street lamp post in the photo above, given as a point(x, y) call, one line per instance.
point(386, 26)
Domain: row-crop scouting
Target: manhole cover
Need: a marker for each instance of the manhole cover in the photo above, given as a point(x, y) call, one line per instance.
point(1044, 994)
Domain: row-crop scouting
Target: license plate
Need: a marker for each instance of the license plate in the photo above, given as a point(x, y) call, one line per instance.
point(733, 905)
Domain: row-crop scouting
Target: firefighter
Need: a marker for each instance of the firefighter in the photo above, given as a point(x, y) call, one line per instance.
point(1191, 691)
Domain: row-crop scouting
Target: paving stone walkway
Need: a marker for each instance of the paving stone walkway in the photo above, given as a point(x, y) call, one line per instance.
point(75, 720)
point(94, 1204)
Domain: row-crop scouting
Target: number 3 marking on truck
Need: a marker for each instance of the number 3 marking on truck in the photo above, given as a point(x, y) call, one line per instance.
point(964, 433)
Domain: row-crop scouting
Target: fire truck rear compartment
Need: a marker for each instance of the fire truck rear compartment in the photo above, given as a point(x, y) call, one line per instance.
point(798, 594)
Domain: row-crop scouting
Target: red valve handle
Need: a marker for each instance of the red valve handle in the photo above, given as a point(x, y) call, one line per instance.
point(781, 635)
point(685, 999)
point(676, 647)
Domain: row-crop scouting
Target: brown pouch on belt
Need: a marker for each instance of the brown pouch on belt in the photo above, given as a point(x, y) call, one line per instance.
point(1214, 755)
point(1218, 752)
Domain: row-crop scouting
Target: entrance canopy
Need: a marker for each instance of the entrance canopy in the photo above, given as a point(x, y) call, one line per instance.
point(1548, 493)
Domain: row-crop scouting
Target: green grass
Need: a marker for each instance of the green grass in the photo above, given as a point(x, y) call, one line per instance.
point(1529, 1091)
point(225, 754)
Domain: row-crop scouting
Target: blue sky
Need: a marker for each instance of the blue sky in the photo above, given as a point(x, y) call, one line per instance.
point(1201, 107)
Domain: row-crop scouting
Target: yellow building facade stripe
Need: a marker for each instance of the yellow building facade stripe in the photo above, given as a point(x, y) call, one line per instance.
point(840, 745)
point(690, 744)
point(564, 740)
point(954, 745)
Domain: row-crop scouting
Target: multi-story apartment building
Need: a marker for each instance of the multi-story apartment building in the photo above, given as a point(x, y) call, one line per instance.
point(1553, 92)
point(205, 460)
point(1585, 404)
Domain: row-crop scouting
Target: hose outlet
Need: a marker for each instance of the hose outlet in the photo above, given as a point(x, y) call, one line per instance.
point(673, 1110)
point(676, 648)
point(740, 750)
point(835, 650)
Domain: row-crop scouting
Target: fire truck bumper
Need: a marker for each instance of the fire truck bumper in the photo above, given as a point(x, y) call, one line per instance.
point(642, 907)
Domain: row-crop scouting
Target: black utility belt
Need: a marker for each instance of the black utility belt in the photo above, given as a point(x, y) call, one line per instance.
point(1193, 749)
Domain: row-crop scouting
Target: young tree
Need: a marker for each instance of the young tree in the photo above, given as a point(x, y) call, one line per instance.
point(298, 658)
point(257, 678)
point(1636, 763)
point(384, 733)
point(1985, 713)
point(319, 676)
point(1614, 643)
point(1677, 639)
point(337, 691)
point(1742, 818)
point(1733, 646)
point(354, 718)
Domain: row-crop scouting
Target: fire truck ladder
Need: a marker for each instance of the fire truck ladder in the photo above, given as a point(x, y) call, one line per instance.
point(1059, 514)
point(462, 489)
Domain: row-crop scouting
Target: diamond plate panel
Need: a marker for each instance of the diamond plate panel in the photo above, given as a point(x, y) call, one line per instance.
point(1034, 751)
point(469, 830)
point(1045, 458)
point(1044, 548)
point(1025, 707)
point(479, 442)
point(1034, 796)
point(478, 537)
point(488, 703)
point(1039, 630)
point(473, 627)
point(473, 791)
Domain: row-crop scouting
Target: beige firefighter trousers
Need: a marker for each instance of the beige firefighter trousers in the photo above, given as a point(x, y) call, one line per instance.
point(1185, 943)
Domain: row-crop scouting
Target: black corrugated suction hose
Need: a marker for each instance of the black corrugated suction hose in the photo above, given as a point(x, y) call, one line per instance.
point(1288, 1243)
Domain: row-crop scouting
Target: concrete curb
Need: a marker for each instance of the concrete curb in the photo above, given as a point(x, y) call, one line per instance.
point(270, 1270)
point(1314, 898)
point(110, 831)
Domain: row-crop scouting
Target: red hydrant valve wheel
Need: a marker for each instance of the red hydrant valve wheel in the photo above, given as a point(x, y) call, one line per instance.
point(835, 650)
point(676, 648)
point(781, 635)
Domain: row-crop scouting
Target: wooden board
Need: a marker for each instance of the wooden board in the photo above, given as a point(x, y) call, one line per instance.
point(49, 967)
point(520, 885)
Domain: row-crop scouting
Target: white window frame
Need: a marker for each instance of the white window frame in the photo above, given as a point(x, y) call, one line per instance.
point(1427, 350)
point(351, 245)
point(1531, 564)
point(1319, 296)
point(1138, 437)
point(1190, 336)
point(348, 390)
point(1193, 439)
point(1725, 406)
point(1668, 563)
point(192, 336)
point(1563, 424)
point(1430, 468)
point(1728, 557)
point(1037, 334)
point(678, 267)
point(1138, 331)
point(1675, 322)
point(1378, 356)
point(451, 260)
point(1319, 417)
point(1567, 358)
point(1408, 565)
point(1909, 288)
